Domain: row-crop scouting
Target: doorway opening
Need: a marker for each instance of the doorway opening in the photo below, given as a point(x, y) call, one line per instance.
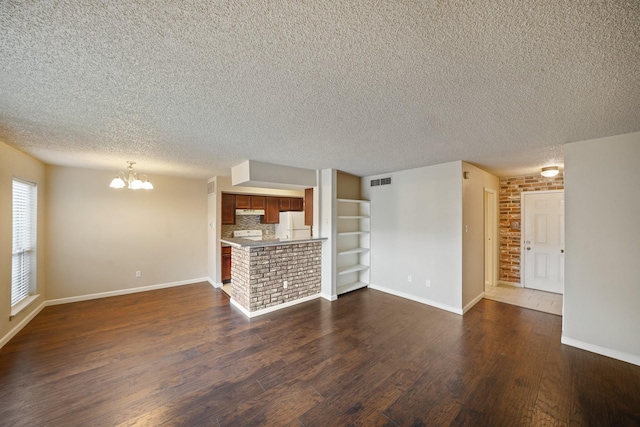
point(490, 238)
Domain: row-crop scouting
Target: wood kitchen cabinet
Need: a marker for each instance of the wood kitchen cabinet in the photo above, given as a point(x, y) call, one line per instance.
point(285, 204)
point(258, 202)
point(247, 201)
point(308, 206)
point(296, 204)
point(228, 209)
point(243, 201)
point(291, 204)
point(272, 210)
point(272, 206)
point(226, 264)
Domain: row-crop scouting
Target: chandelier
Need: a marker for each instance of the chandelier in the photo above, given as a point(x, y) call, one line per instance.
point(131, 179)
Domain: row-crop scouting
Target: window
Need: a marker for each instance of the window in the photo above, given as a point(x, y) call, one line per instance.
point(24, 240)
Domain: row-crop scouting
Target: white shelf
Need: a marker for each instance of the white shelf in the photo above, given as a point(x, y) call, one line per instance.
point(352, 233)
point(352, 201)
point(354, 251)
point(352, 269)
point(343, 289)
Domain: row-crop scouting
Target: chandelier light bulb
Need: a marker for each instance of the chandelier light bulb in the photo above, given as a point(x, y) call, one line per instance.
point(131, 179)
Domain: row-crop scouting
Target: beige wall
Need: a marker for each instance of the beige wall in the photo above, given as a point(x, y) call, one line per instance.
point(348, 186)
point(473, 231)
point(15, 163)
point(98, 237)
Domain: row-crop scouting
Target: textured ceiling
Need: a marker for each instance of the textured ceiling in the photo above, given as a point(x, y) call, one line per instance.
point(193, 88)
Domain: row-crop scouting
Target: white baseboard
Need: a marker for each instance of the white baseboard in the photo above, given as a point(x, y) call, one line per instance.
point(12, 333)
point(214, 283)
point(517, 285)
point(252, 314)
point(418, 299)
point(472, 303)
point(123, 291)
point(329, 297)
point(614, 354)
point(244, 311)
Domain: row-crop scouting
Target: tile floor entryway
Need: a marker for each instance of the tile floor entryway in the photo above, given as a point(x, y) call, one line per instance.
point(527, 298)
point(226, 288)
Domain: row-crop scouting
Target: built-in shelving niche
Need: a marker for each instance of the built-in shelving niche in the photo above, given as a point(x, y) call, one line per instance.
point(353, 244)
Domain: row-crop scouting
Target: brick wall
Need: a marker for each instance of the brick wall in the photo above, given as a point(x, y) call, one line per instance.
point(259, 274)
point(510, 218)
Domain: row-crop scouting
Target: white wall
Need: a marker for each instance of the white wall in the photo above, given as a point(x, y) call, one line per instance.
point(252, 173)
point(473, 232)
point(602, 264)
point(15, 163)
point(98, 237)
point(416, 230)
point(326, 209)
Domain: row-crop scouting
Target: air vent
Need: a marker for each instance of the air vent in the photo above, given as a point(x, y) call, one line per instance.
point(380, 181)
point(211, 187)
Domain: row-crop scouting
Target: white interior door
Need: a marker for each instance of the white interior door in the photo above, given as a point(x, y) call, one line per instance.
point(543, 240)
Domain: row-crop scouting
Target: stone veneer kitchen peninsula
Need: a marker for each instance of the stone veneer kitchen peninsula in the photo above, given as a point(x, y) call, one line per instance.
point(267, 275)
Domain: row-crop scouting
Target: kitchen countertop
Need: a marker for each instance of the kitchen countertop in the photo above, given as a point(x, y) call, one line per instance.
point(243, 243)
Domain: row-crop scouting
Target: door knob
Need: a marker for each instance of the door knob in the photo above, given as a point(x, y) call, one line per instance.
point(561, 251)
point(528, 248)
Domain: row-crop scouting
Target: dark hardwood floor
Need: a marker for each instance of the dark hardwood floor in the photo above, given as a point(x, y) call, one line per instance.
point(183, 356)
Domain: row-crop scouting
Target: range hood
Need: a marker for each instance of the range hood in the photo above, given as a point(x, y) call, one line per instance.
point(249, 211)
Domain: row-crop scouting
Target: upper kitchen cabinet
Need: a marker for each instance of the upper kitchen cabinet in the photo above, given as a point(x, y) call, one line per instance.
point(296, 204)
point(247, 201)
point(258, 202)
point(291, 204)
point(272, 206)
point(243, 201)
point(228, 209)
point(272, 210)
point(285, 204)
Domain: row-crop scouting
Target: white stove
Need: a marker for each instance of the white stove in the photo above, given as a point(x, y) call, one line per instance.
point(248, 234)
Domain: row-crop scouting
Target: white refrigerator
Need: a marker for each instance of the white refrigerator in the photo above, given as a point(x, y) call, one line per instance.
point(292, 226)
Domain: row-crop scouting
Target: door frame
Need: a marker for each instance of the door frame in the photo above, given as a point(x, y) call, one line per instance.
point(522, 222)
point(490, 221)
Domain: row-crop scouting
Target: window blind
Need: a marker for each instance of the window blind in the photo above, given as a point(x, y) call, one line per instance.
point(24, 239)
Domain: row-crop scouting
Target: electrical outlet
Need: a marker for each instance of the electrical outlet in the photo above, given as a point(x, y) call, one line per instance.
point(285, 284)
point(409, 279)
point(138, 273)
point(428, 283)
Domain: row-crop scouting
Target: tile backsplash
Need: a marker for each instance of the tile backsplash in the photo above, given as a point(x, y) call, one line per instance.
point(248, 222)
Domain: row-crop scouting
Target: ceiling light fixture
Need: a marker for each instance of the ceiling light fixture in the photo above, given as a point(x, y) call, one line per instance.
point(550, 171)
point(132, 180)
